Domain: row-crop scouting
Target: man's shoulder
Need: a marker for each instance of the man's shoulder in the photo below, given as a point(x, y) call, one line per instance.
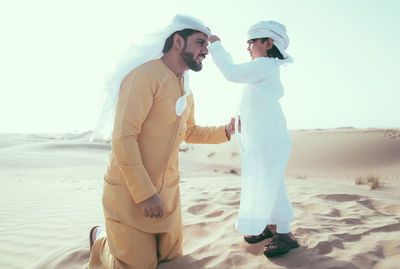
point(149, 73)
point(148, 70)
point(151, 68)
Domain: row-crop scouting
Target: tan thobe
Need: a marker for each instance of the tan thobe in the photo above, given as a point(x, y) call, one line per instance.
point(144, 161)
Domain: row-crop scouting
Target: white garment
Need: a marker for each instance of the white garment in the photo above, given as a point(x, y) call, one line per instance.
point(265, 141)
point(274, 30)
point(136, 55)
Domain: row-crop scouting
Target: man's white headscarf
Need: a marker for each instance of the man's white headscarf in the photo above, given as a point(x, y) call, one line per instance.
point(136, 55)
point(275, 31)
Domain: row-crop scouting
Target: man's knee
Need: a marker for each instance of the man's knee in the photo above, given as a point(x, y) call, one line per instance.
point(130, 247)
point(169, 246)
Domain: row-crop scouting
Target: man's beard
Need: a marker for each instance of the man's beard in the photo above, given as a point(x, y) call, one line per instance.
point(189, 60)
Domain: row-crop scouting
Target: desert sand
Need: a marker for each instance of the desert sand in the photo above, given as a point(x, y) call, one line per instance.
point(51, 187)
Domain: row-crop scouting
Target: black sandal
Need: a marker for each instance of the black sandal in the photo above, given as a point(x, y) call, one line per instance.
point(280, 244)
point(258, 238)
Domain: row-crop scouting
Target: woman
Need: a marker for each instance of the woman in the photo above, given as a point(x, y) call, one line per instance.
point(265, 210)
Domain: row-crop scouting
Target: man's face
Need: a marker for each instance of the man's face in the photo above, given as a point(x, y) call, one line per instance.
point(195, 50)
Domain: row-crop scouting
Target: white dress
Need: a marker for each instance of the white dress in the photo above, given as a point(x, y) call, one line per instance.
point(264, 140)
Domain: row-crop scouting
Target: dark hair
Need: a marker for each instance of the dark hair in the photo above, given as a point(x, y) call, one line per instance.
point(273, 52)
point(183, 33)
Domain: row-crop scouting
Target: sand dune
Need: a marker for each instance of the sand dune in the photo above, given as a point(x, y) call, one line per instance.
point(51, 196)
point(344, 152)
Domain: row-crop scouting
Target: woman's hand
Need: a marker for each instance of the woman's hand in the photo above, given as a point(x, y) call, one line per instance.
point(214, 38)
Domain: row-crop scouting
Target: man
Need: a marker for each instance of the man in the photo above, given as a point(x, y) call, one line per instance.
point(155, 112)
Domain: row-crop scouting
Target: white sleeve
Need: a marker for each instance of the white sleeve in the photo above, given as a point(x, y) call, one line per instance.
point(250, 72)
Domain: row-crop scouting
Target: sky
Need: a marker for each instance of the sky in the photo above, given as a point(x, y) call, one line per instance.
point(54, 56)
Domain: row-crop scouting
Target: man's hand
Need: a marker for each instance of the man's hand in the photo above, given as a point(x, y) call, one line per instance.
point(153, 207)
point(213, 38)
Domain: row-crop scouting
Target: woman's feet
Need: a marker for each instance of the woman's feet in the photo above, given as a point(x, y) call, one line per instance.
point(280, 244)
point(268, 232)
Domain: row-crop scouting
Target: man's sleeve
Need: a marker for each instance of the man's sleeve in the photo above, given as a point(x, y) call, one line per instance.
point(203, 135)
point(135, 101)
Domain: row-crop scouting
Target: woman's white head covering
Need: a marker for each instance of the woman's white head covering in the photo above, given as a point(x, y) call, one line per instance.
point(151, 48)
point(274, 30)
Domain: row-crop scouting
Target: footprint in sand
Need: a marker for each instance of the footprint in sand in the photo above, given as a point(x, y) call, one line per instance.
point(197, 209)
point(339, 197)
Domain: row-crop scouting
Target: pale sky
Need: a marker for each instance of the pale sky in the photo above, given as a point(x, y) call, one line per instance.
point(55, 54)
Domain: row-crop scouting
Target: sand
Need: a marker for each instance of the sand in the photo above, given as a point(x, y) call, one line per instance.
point(51, 186)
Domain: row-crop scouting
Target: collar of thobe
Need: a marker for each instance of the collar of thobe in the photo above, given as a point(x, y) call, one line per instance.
point(181, 103)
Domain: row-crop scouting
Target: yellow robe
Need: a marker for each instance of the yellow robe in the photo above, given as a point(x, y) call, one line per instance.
point(143, 161)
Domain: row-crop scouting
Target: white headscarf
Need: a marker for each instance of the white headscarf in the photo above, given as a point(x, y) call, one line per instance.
point(136, 55)
point(274, 30)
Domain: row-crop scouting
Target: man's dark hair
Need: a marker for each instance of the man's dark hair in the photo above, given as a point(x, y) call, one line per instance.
point(273, 52)
point(183, 33)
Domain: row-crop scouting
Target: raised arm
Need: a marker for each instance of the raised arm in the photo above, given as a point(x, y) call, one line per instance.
point(250, 72)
